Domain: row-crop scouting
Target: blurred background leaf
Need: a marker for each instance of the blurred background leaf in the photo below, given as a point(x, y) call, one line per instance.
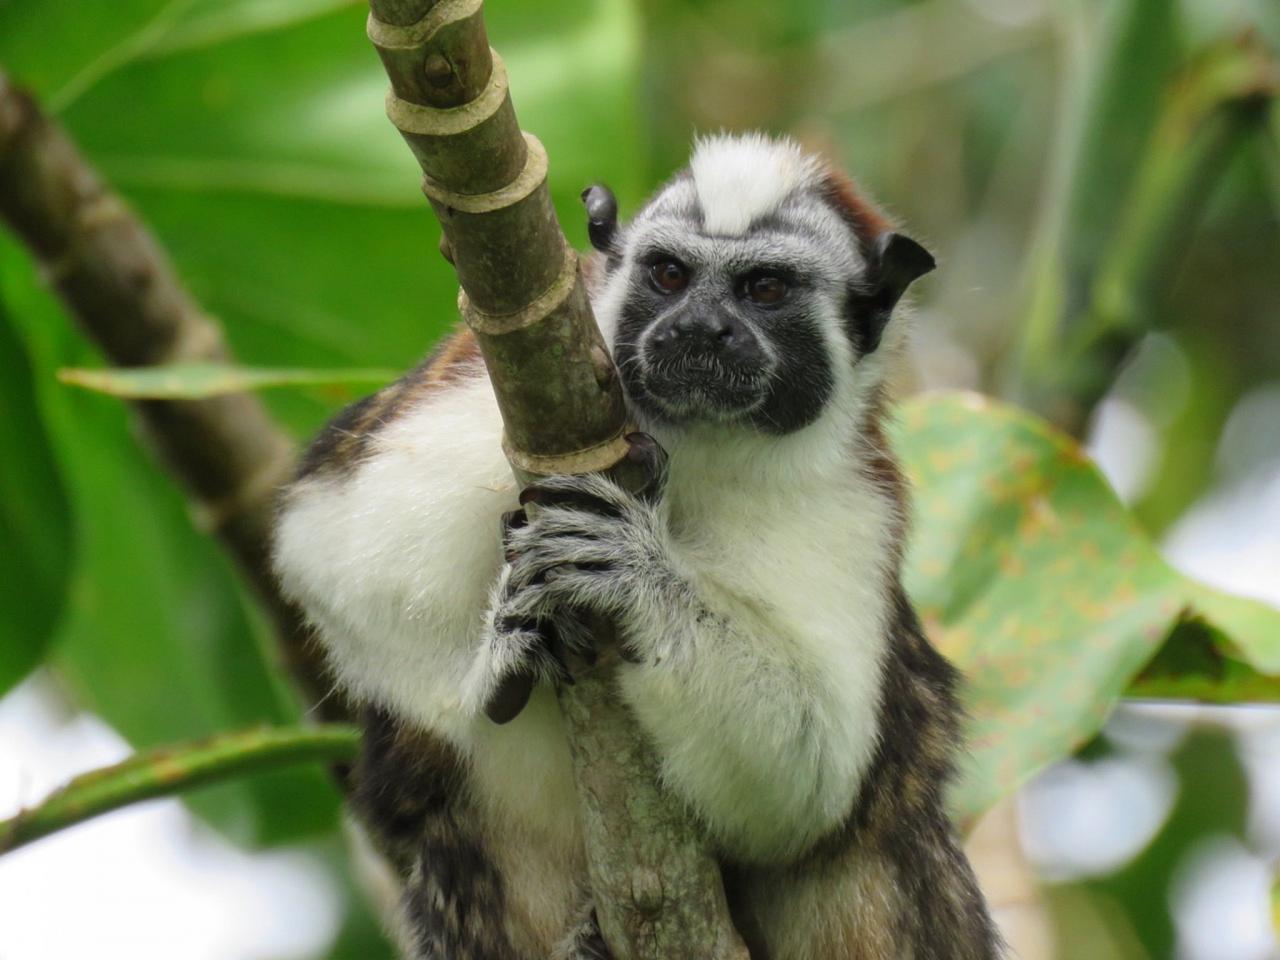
point(1032, 576)
point(156, 635)
point(35, 520)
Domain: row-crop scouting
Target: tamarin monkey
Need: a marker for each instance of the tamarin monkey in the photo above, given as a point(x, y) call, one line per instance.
point(773, 659)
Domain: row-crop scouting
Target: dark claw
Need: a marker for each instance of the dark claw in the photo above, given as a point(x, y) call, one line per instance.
point(509, 699)
point(647, 455)
point(602, 217)
point(513, 520)
point(515, 688)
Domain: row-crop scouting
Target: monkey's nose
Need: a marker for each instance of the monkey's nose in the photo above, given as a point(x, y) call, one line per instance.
point(699, 332)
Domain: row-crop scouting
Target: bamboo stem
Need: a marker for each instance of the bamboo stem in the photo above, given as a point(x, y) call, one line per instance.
point(657, 888)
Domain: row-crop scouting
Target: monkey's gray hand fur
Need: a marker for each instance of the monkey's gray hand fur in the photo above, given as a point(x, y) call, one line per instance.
point(590, 547)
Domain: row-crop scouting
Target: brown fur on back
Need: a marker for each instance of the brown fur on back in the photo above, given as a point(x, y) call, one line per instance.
point(346, 439)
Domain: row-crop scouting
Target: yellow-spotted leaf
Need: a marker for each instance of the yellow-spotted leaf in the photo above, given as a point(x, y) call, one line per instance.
point(1033, 577)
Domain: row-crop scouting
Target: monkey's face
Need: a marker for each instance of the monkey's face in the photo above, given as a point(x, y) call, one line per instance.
point(749, 289)
point(726, 329)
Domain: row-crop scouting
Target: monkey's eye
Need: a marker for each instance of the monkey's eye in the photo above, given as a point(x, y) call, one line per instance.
point(766, 289)
point(668, 276)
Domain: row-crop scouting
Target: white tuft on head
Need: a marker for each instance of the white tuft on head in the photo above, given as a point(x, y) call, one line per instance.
point(740, 178)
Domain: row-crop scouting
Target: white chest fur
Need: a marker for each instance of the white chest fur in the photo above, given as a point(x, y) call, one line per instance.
point(766, 727)
point(766, 715)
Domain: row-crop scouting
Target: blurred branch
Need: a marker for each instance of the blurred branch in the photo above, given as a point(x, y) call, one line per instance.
point(172, 770)
point(1009, 882)
point(657, 889)
point(114, 278)
point(1121, 77)
point(1223, 98)
point(1275, 896)
point(1116, 66)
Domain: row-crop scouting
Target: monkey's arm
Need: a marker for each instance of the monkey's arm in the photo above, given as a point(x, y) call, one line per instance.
point(389, 541)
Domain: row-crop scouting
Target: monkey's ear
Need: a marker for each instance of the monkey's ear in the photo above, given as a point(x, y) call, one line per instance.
point(895, 262)
point(900, 261)
point(602, 216)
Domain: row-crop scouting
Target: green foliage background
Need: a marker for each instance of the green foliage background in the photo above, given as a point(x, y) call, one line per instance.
point(1025, 143)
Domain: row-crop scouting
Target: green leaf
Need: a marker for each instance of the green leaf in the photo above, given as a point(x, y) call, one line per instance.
point(1122, 64)
point(1248, 629)
point(193, 381)
point(1030, 574)
point(1197, 663)
point(35, 519)
point(1138, 48)
point(51, 46)
point(263, 159)
point(210, 22)
point(176, 769)
point(156, 635)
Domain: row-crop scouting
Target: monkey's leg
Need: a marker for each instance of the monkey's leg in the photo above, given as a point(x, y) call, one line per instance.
point(454, 901)
point(408, 794)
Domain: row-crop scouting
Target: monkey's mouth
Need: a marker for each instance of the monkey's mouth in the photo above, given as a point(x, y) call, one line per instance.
point(700, 387)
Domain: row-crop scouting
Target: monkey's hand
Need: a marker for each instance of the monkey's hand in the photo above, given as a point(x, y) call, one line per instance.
point(587, 547)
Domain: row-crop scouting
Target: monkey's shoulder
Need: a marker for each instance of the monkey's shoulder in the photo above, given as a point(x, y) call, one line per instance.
point(347, 439)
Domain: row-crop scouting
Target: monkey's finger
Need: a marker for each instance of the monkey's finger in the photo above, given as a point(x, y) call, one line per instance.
point(576, 635)
point(593, 587)
point(545, 596)
point(588, 491)
point(556, 650)
point(571, 523)
point(512, 521)
point(535, 568)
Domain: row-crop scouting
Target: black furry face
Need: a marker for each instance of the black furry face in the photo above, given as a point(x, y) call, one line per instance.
point(744, 287)
point(722, 342)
